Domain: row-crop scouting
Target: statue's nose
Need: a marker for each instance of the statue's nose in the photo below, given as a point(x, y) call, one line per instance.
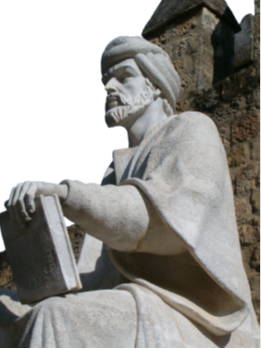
point(111, 86)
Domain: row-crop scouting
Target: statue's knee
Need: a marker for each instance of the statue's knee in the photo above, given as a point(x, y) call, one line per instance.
point(49, 305)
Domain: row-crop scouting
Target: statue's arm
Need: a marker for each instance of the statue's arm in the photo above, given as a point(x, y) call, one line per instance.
point(116, 215)
point(121, 216)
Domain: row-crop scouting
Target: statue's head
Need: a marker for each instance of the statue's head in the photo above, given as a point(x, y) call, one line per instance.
point(136, 73)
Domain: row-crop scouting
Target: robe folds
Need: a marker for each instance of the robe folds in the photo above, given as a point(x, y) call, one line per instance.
point(185, 274)
point(180, 167)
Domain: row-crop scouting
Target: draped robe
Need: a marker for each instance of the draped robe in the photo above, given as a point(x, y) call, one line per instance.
point(192, 293)
point(181, 169)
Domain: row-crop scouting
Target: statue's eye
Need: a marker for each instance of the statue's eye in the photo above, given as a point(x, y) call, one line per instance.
point(124, 77)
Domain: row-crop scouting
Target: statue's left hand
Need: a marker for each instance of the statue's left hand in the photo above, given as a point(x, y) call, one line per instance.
point(21, 201)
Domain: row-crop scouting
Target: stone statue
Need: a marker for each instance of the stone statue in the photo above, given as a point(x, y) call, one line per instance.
point(161, 263)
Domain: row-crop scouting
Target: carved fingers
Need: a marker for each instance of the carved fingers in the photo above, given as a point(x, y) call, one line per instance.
point(21, 202)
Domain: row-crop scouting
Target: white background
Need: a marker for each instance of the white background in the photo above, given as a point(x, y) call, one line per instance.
point(51, 95)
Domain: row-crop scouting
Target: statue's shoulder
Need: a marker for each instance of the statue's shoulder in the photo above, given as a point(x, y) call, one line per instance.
point(193, 116)
point(195, 120)
point(191, 126)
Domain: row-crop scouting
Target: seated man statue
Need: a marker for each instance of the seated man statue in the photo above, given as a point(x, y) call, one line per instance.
point(170, 272)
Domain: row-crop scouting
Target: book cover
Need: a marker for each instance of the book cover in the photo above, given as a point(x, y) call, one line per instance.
point(40, 254)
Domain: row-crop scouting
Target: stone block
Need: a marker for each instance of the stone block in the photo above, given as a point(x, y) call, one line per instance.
point(76, 235)
point(255, 200)
point(6, 275)
point(192, 41)
point(256, 221)
point(244, 42)
point(248, 234)
point(254, 281)
point(255, 258)
point(246, 180)
point(246, 128)
point(250, 171)
point(169, 10)
point(222, 40)
point(243, 186)
point(238, 154)
point(243, 210)
point(224, 132)
point(255, 149)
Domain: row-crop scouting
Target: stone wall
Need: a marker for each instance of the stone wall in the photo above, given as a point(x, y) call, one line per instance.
point(188, 42)
point(199, 37)
point(234, 105)
point(6, 276)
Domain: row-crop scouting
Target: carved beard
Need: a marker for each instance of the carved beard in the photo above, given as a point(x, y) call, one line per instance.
point(126, 110)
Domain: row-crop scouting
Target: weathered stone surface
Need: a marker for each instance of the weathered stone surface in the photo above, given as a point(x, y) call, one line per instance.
point(255, 259)
point(237, 154)
point(234, 106)
point(242, 186)
point(247, 234)
point(246, 179)
point(256, 221)
point(255, 200)
point(255, 149)
point(250, 171)
point(40, 252)
point(244, 42)
point(192, 41)
point(243, 209)
point(254, 282)
point(169, 10)
point(222, 40)
point(257, 31)
point(76, 235)
point(6, 275)
point(246, 128)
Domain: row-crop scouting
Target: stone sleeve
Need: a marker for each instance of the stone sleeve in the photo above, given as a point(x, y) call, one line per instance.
point(116, 215)
point(120, 216)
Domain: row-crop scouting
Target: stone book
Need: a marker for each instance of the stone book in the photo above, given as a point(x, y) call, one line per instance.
point(40, 254)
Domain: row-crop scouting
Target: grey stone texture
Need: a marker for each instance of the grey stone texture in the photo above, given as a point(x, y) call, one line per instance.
point(6, 275)
point(169, 10)
point(244, 48)
point(40, 253)
point(232, 101)
point(192, 41)
point(76, 235)
point(234, 106)
point(203, 39)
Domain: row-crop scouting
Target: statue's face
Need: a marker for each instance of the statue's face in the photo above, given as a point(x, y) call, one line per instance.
point(129, 93)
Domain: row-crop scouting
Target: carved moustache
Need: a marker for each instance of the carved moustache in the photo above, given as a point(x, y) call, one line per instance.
point(118, 107)
point(114, 100)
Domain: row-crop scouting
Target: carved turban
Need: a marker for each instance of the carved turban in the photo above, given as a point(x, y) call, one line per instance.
point(152, 61)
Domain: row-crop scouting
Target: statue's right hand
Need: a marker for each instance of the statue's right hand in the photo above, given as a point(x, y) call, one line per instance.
point(21, 204)
point(21, 201)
